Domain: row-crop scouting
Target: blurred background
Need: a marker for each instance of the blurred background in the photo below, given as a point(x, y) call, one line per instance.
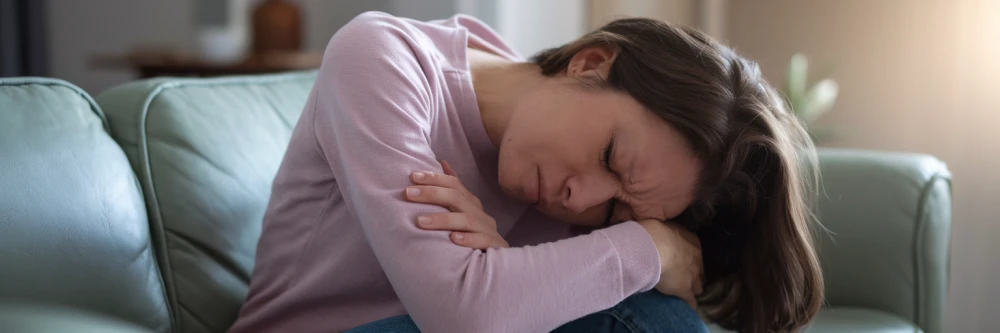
point(903, 75)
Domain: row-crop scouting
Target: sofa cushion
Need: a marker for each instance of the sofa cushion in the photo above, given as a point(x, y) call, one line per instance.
point(206, 152)
point(888, 217)
point(838, 320)
point(855, 320)
point(73, 228)
point(33, 318)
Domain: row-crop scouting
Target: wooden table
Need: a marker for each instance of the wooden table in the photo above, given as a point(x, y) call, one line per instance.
point(170, 64)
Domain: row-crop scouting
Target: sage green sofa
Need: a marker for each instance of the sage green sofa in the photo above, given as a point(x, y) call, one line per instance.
point(141, 212)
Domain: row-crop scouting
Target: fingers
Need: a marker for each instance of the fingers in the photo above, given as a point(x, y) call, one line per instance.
point(447, 169)
point(451, 221)
point(443, 180)
point(467, 232)
point(452, 199)
point(448, 179)
point(478, 241)
point(447, 182)
point(689, 298)
point(690, 294)
point(436, 179)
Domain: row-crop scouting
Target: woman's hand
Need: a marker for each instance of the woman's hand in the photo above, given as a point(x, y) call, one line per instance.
point(680, 260)
point(469, 224)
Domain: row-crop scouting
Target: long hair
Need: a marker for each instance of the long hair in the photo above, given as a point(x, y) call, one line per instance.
point(751, 208)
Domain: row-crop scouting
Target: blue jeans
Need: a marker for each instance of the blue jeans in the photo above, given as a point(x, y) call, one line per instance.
point(648, 312)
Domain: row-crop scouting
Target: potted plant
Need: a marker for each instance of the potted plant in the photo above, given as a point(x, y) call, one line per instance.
point(809, 101)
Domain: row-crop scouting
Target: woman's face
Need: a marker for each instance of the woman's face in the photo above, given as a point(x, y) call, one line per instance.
point(575, 153)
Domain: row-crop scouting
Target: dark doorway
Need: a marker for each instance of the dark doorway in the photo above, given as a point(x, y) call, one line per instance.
point(23, 39)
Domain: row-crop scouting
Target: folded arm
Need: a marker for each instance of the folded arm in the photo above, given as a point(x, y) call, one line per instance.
point(371, 117)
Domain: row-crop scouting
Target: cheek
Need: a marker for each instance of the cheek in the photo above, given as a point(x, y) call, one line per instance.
point(517, 162)
point(524, 145)
point(509, 166)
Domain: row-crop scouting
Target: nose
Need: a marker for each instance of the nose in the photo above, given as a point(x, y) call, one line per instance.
point(581, 193)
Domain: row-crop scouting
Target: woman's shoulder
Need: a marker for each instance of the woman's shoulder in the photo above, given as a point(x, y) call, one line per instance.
point(376, 50)
point(378, 34)
point(377, 57)
point(367, 31)
point(373, 24)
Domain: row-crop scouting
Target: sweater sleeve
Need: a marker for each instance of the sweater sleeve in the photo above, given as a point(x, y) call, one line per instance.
point(372, 108)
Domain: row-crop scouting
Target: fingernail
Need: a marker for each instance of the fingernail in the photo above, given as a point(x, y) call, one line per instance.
point(424, 220)
point(412, 191)
point(418, 175)
point(459, 236)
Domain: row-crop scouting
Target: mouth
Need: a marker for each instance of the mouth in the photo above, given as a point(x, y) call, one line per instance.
point(532, 191)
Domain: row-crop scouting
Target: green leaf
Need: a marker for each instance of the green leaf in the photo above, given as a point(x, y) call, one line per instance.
point(798, 70)
point(819, 100)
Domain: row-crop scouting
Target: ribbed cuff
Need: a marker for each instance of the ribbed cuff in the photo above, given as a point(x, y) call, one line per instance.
point(638, 255)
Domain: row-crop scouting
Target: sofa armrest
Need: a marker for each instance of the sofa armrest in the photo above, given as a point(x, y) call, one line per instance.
point(34, 318)
point(888, 220)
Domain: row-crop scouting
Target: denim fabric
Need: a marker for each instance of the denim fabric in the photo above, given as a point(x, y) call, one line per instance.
point(648, 312)
point(397, 324)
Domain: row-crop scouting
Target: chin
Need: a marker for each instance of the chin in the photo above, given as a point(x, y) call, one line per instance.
point(506, 185)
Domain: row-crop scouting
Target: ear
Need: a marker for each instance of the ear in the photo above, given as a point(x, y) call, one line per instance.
point(592, 61)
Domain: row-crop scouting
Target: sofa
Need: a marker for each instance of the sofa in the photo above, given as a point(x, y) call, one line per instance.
point(139, 211)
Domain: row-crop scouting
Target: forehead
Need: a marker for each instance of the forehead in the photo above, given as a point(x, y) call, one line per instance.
point(660, 171)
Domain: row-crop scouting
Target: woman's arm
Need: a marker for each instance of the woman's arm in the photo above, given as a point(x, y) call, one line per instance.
point(371, 117)
point(470, 226)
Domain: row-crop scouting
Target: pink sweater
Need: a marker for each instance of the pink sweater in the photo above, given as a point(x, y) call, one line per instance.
point(339, 246)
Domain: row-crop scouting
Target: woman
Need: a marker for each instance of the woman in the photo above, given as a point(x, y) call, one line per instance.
point(640, 135)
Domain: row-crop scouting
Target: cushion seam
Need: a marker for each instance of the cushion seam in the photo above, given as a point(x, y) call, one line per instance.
point(143, 147)
point(919, 249)
point(154, 209)
point(61, 83)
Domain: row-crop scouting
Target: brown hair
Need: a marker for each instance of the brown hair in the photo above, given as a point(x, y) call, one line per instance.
point(751, 210)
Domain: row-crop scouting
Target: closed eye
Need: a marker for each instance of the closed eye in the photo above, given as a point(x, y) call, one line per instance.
point(606, 161)
point(607, 153)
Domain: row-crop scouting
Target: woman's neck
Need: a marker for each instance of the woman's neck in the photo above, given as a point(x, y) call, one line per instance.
point(501, 86)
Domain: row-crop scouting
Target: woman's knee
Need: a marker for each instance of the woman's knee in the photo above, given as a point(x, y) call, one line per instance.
point(399, 324)
point(653, 311)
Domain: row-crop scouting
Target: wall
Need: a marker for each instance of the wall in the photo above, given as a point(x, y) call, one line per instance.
point(531, 26)
point(920, 76)
point(324, 17)
point(81, 30)
point(682, 12)
point(707, 15)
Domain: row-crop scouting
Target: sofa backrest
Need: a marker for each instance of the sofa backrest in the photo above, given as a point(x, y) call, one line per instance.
point(73, 227)
point(889, 221)
point(206, 152)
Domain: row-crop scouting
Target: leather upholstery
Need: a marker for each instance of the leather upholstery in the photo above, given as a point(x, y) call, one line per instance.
point(73, 224)
point(206, 152)
point(889, 217)
point(841, 320)
point(73, 228)
point(36, 318)
point(853, 320)
point(885, 248)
